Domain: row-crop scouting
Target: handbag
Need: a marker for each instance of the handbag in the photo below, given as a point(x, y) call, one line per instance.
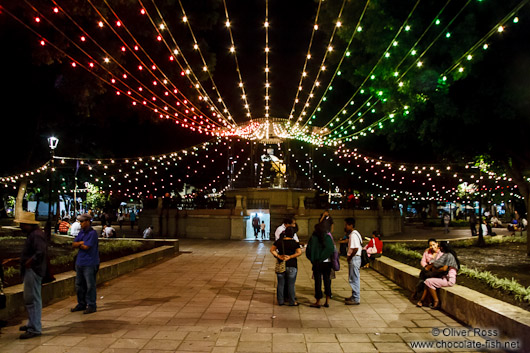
point(364, 258)
point(335, 263)
point(280, 265)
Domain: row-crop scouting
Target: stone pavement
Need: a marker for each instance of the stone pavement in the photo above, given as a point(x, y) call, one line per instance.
point(220, 298)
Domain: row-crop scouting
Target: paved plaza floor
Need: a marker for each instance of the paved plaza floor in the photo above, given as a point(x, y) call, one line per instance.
point(219, 297)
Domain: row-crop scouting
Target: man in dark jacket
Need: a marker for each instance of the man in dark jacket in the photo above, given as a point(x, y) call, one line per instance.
point(32, 269)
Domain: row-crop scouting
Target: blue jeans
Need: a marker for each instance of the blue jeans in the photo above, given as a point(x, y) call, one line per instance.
point(85, 285)
point(354, 271)
point(288, 276)
point(33, 300)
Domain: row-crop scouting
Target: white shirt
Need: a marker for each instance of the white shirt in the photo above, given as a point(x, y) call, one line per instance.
point(279, 231)
point(262, 226)
point(148, 232)
point(108, 232)
point(75, 228)
point(355, 242)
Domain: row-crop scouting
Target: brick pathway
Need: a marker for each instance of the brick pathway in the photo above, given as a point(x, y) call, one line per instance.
point(220, 298)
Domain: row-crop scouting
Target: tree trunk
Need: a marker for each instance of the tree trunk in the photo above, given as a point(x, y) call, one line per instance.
point(524, 190)
point(20, 196)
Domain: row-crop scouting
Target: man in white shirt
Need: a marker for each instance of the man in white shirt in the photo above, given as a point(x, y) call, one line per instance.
point(354, 261)
point(148, 232)
point(287, 222)
point(75, 228)
point(109, 232)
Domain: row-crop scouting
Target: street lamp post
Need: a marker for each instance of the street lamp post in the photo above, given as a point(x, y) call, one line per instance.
point(52, 143)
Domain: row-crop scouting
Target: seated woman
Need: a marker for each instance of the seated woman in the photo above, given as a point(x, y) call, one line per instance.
point(430, 254)
point(449, 263)
point(495, 222)
point(286, 249)
point(374, 248)
point(320, 248)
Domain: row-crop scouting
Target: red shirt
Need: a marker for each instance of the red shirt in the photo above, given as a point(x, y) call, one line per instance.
point(63, 227)
point(378, 244)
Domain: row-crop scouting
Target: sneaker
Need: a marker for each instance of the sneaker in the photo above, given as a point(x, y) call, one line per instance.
point(23, 328)
point(351, 302)
point(28, 334)
point(89, 310)
point(77, 308)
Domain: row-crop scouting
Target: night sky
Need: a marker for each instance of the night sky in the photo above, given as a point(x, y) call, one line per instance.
point(41, 95)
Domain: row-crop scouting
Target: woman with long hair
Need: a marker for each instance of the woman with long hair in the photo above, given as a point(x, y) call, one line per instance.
point(448, 263)
point(286, 249)
point(319, 250)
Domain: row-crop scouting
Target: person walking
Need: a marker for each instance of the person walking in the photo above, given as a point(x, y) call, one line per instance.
point(255, 225)
point(132, 218)
point(319, 250)
point(286, 249)
point(354, 261)
point(32, 269)
point(86, 266)
point(121, 218)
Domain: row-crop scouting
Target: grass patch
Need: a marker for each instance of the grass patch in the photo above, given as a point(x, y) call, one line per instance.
point(510, 286)
point(106, 247)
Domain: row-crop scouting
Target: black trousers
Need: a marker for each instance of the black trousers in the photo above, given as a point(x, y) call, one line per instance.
point(321, 272)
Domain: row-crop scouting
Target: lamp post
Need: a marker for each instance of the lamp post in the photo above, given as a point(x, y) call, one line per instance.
point(52, 143)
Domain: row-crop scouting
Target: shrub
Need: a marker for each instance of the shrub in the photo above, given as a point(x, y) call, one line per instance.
point(11, 272)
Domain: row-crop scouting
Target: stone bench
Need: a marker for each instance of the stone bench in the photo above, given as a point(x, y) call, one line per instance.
point(474, 309)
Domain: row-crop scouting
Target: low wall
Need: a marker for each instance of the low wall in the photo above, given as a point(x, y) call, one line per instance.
point(231, 224)
point(64, 285)
point(466, 305)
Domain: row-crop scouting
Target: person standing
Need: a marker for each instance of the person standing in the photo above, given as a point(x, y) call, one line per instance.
point(255, 225)
point(326, 221)
point(319, 250)
point(286, 249)
point(447, 220)
point(86, 266)
point(132, 218)
point(121, 218)
point(32, 269)
point(354, 261)
point(473, 224)
point(287, 222)
point(262, 230)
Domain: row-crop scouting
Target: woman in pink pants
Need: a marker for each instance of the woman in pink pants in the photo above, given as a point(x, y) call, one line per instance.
point(449, 263)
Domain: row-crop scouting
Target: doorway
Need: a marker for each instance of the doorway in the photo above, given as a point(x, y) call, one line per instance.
point(263, 216)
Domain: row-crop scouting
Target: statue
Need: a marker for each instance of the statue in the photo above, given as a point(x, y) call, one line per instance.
point(277, 167)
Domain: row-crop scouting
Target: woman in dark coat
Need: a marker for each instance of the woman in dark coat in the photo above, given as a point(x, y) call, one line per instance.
point(319, 250)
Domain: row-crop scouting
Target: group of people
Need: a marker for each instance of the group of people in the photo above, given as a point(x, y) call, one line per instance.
point(324, 257)
point(440, 266)
point(34, 268)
